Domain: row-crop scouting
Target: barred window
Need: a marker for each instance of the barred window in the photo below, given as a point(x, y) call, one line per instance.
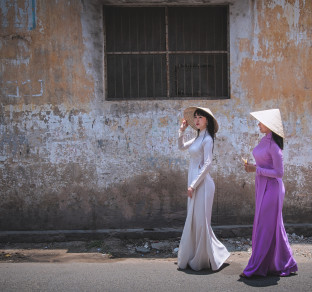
point(166, 52)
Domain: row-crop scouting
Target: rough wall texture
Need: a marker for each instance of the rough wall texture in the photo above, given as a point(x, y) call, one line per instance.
point(69, 159)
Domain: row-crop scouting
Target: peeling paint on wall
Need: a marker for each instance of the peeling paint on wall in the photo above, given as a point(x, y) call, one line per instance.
point(19, 14)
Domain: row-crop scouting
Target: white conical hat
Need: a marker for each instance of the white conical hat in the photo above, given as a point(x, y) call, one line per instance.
point(271, 119)
point(189, 116)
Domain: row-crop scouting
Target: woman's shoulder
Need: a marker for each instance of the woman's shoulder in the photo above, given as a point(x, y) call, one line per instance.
point(207, 139)
point(274, 147)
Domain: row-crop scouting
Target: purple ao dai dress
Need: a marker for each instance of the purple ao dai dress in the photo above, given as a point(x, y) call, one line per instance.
point(199, 248)
point(271, 252)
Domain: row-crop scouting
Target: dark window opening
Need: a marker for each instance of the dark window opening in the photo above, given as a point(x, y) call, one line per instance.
point(166, 52)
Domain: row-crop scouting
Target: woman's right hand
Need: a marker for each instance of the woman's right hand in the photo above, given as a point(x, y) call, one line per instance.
point(184, 125)
point(190, 192)
point(250, 167)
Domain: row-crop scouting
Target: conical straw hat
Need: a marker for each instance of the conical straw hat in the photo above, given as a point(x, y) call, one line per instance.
point(271, 119)
point(189, 116)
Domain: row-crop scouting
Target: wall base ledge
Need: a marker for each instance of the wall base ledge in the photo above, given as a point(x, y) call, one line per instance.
point(223, 231)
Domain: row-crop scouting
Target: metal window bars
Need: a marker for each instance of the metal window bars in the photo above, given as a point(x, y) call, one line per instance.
point(166, 52)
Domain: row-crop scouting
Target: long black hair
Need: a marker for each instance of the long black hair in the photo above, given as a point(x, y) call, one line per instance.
point(210, 123)
point(278, 140)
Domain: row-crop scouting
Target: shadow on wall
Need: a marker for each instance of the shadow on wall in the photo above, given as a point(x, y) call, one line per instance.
point(146, 201)
point(152, 200)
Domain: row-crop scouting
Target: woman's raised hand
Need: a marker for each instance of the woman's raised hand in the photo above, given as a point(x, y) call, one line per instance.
point(184, 125)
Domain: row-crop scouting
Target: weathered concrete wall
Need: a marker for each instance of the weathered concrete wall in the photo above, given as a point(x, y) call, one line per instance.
point(69, 159)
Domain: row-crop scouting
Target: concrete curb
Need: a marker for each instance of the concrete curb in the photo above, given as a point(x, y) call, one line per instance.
point(227, 231)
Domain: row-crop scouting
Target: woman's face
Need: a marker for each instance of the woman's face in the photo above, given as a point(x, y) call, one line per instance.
point(200, 122)
point(263, 128)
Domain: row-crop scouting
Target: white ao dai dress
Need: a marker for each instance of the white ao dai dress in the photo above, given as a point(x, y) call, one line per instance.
point(199, 248)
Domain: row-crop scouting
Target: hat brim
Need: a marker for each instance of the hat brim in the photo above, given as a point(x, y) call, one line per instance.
point(189, 116)
point(271, 119)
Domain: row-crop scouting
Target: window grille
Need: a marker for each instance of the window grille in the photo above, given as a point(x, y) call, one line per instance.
point(166, 52)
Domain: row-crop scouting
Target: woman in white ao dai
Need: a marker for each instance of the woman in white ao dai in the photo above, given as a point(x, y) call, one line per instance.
point(199, 248)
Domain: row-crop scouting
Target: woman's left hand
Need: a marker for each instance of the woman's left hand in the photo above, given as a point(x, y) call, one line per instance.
point(190, 191)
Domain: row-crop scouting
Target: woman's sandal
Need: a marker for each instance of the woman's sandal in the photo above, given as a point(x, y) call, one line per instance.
point(242, 275)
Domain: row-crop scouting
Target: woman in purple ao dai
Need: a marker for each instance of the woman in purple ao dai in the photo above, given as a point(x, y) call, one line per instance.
point(271, 252)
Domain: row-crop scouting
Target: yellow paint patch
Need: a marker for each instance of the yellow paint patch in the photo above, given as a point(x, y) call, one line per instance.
point(281, 64)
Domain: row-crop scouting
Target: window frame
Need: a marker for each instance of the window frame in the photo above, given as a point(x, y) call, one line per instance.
point(168, 53)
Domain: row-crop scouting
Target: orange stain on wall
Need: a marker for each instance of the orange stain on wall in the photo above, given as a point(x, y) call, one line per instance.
point(53, 53)
point(281, 63)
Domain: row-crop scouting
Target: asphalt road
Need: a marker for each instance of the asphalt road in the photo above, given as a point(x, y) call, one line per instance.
point(143, 275)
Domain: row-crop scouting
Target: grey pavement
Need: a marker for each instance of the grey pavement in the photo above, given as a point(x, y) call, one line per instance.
point(89, 266)
point(144, 275)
